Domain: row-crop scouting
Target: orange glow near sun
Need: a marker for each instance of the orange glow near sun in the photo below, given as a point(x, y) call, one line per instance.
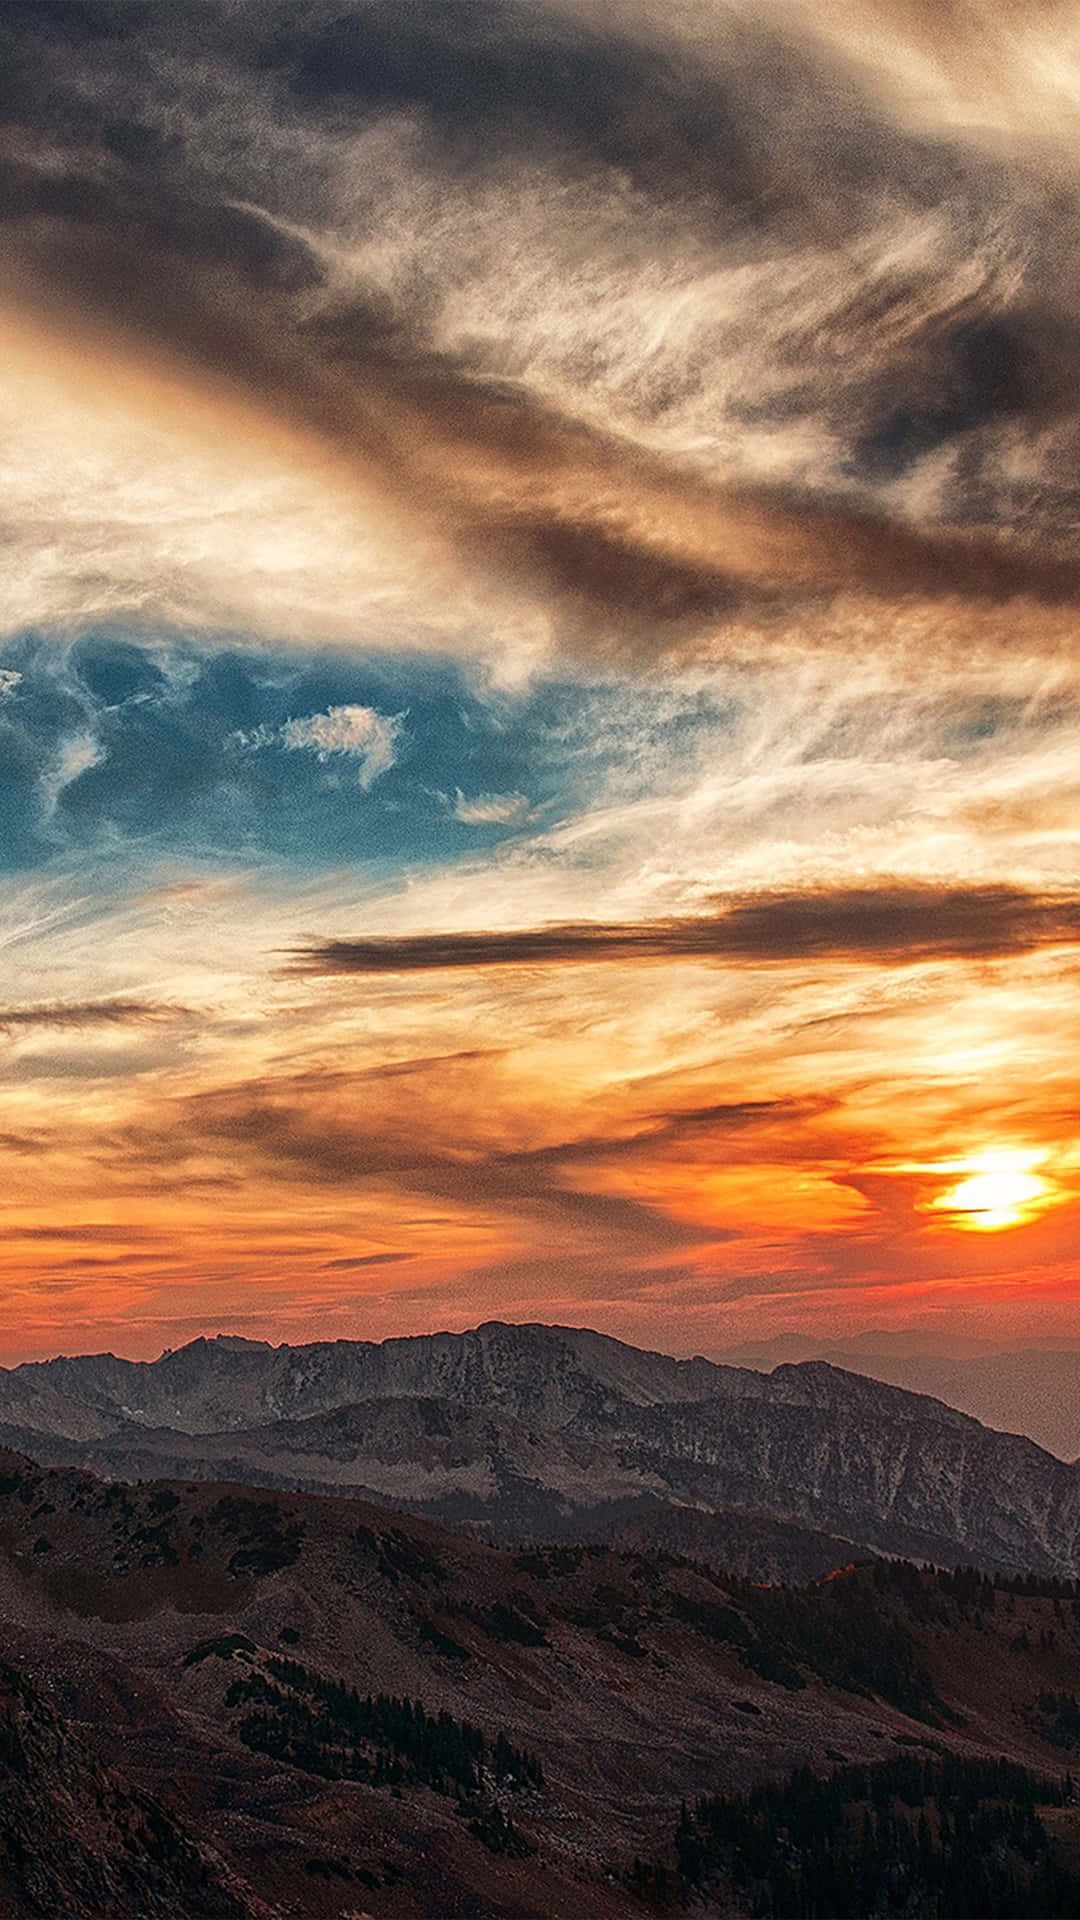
point(1000, 1189)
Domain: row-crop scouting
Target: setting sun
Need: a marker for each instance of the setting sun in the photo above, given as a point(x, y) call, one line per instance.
point(1000, 1190)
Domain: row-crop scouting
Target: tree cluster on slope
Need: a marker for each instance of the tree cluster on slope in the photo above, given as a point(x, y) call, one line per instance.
point(328, 1728)
point(943, 1838)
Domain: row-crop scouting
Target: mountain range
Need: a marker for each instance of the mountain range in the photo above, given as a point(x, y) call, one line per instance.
point(522, 1433)
point(514, 1624)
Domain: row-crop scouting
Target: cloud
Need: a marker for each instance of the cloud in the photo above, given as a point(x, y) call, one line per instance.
point(367, 1260)
point(705, 386)
point(898, 925)
point(357, 732)
point(598, 328)
point(491, 809)
point(59, 1015)
point(425, 1136)
point(75, 755)
point(112, 1232)
point(22, 1143)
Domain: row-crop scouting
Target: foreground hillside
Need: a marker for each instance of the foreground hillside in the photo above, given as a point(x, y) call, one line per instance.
point(220, 1700)
point(553, 1432)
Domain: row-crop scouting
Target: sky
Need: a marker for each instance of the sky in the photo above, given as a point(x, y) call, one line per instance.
point(539, 594)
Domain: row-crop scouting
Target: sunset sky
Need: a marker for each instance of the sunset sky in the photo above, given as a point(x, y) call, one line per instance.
point(539, 669)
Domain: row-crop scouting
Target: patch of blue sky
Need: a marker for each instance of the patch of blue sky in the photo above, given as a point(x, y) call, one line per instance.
point(318, 760)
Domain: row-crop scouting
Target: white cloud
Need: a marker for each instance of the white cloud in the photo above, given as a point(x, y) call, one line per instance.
point(75, 755)
point(490, 809)
point(9, 680)
point(358, 732)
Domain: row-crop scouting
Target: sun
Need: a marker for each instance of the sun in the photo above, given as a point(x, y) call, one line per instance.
point(1000, 1190)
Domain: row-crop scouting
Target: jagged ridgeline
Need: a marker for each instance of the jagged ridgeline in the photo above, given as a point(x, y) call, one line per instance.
point(544, 1433)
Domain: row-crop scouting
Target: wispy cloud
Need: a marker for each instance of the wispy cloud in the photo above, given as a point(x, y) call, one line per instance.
point(869, 395)
point(75, 755)
point(61, 1014)
point(349, 1262)
point(353, 732)
point(491, 809)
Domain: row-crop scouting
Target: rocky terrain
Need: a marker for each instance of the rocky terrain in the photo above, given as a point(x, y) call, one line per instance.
point(544, 1433)
point(225, 1701)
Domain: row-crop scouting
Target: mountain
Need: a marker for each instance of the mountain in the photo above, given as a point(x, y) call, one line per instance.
point(1029, 1390)
point(217, 1700)
point(212, 1386)
point(533, 1432)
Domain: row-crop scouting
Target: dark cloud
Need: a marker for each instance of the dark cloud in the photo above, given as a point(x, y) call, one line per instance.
point(632, 550)
point(489, 79)
point(983, 370)
point(722, 1121)
point(113, 1233)
point(129, 220)
point(367, 1260)
point(60, 1014)
point(493, 81)
point(418, 1064)
point(24, 1143)
point(895, 925)
point(323, 1131)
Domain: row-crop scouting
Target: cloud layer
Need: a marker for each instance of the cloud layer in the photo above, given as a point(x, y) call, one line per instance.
point(538, 663)
point(578, 307)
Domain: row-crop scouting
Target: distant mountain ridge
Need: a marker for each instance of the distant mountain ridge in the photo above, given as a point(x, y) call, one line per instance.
point(1029, 1390)
point(211, 1385)
point(536, 1432)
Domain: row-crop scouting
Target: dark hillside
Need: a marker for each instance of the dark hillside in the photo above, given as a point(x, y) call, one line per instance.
point(340, 1708)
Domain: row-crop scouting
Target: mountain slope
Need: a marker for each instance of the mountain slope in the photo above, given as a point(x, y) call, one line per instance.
point(76, 1838)
point(546, 1432)
point(317, 1707)
point(1031, 1390)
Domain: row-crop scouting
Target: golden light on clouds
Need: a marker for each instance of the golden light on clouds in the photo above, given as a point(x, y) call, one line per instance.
point(660, 439)
point(999, 1189)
